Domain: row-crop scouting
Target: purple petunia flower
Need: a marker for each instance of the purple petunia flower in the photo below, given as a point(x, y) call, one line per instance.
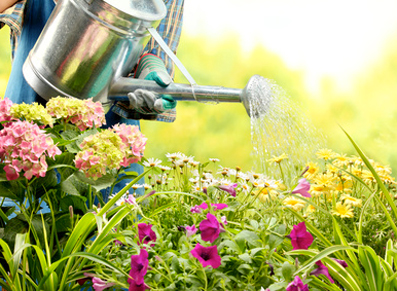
point(139, 266)
point(207, 256)
point(231, 189)
point(210, 228)
point(191, 230)
point(341, 262)
point(145, 233)
point(303, 188)
point(137, 287)
point(297, 285)
point(322, 270)
point(100, 285)
point(300, 238)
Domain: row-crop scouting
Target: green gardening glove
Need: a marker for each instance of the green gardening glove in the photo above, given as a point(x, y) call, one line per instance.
point(144, 104)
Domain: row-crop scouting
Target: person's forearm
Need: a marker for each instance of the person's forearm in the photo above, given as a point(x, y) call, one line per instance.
point(4, 4)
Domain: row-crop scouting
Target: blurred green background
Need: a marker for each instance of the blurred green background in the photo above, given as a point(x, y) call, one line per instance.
point(368, 111)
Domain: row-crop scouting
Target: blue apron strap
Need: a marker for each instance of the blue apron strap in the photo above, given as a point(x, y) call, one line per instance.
point(36, 15)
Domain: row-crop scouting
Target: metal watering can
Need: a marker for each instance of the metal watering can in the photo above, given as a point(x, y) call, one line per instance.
point(88, 47)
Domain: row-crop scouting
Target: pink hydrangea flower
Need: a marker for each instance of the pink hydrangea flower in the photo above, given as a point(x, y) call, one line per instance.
point(145, 233)
point(207, 256)
point(84, 114)
point(139, 266)
point(191, 230)
point(322, 270)
point(5, 105)
point(210, 228)
point(300, 238)
point(302, 188)
point(24, 148)
point(297, 285)
point(134, 142)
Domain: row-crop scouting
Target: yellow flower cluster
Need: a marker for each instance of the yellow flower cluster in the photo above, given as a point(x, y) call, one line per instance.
point(31, 112)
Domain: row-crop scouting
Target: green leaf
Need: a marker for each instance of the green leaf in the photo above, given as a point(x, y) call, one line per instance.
point(74, 186)
point(371, 263)
point(12, 190)
point(175, 265)
point(247, 236)
point(244, 269)
point(77, 202)
point(98, 184)
point(287, 270)
point(246, 258)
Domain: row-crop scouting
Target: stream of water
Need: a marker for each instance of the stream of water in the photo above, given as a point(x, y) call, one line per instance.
point(279, 126)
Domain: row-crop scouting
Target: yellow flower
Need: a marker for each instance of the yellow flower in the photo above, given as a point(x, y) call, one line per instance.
point(31, 112)
point(325, 154)
point(342, 210)
point(278, 159)
point(341, 160)
point(265, 197)
point(311, 171)
point(322, 183)
point(310, 209)
point(351, 200)
point(294, 203)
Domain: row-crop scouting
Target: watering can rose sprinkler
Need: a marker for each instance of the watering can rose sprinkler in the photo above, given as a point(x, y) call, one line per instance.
point(89, 47)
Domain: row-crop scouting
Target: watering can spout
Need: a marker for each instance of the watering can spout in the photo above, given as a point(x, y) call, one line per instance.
point(184, 92)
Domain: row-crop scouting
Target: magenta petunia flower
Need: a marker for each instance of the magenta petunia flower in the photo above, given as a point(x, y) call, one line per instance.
point(300, 238)
point(219, 206)
point(302, 188)
point(297, 285)
point(100, 285)
point(145, 233)
point(207, 256)
point(191, 230)
point(137, 287)
point(231, 189)
point(341, 262)
point(195, 209)
point(322, 270)
point(210, 228)
point(139, 266)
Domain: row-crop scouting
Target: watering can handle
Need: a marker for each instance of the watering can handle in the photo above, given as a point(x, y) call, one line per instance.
point(181, 92)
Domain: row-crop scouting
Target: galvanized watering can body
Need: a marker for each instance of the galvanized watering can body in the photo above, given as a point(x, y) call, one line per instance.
point(88, 44)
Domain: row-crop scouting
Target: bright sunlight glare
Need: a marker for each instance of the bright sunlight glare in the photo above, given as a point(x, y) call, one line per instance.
point(336, 38)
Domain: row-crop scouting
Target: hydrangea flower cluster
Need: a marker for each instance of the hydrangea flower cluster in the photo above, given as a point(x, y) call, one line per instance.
point(83, 113)
point(5, 105)
point(110, 149)
point(24, 147)
point(31, 112)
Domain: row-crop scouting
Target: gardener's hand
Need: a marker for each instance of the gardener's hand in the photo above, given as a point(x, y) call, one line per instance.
point(145, 104)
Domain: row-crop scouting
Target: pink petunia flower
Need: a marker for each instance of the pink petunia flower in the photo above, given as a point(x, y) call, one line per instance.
point(100, 285)
point(322, 270)
point(302, 188)
point(231, 189)
point(300, 238)
point(297, 285)
point(145, 233)
point(210, 228)
point(195, 209)
point(219, 206)
point(207, 256)
point(191, 230)
point(139, 266)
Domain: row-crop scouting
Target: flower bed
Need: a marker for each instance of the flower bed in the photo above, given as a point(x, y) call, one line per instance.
point(199, 226)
